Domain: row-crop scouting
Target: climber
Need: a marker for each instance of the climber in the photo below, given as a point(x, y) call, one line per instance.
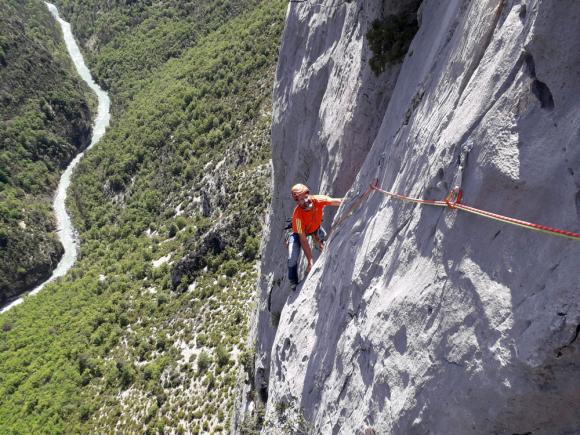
point(306, 221)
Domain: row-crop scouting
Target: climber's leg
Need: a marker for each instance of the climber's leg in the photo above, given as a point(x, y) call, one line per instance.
point(293, 259)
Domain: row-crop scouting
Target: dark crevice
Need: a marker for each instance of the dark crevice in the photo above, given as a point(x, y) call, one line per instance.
point(577, 200)
point(543, 94)
point(263, 392)
point(523, 12)
point(343, 389)
point(530, 64)
point(559, 351)
point(453, 363)
point(538, 88)
point(398, 231)
point(416, 100)
point(575, 335)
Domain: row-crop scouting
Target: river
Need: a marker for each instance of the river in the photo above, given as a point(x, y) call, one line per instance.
point(66, 232)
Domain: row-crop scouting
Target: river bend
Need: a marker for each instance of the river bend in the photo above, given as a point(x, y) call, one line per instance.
point(66, 232)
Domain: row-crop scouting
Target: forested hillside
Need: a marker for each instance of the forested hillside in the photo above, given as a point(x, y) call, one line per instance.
point(147, 332)
point(44, 121)
point(125, 42)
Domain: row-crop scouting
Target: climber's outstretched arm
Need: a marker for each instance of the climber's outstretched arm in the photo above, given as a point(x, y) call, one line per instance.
point(307, 251)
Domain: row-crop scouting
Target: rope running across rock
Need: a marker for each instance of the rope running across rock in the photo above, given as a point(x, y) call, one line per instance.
point(453, 201)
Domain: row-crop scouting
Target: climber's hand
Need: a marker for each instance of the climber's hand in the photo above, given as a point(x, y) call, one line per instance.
point(310, 264)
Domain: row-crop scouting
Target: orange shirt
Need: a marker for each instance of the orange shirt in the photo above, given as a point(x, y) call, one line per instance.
point(308, 221)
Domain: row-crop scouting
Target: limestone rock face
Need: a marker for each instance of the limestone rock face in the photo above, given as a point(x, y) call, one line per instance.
point(422, 319)
point(328, 106)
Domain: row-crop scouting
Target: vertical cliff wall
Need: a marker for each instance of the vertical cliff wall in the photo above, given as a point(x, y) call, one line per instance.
point(421, 319)
point(328, 106)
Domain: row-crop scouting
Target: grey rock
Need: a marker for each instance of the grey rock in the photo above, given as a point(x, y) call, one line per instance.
point(424, 320)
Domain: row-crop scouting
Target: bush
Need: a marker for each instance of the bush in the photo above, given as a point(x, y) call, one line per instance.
point(247, 361)
point(126, 373)
point(181, 222)
point(210, 381)
point(4, 178)
point(222, 355)
point(231, 267)
point(390, 38)
point(116, 183)
point(203, 362)
point(3, 238)
point(251, 248)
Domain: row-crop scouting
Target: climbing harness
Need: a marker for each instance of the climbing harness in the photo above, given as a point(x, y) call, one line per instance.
point(288, 232)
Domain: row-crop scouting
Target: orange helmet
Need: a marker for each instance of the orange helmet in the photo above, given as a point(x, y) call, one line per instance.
point(299, 190)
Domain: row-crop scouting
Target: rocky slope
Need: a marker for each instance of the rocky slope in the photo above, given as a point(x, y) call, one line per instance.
point(44, 122)
point(421, 319)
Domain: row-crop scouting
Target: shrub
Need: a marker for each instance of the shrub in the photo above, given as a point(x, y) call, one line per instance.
point(251, 248)
point(203, 362)
point(181, 222)
point(222, 355)
point(4, 178)
point(254, 423)
point(222, 282)
point(247, 361)
point(390, 38)
point(210, 381)
point(162, 299)
point(116, 183)
point(231, 267)
point(201, 340)
point(3, 238)
point(126, 373)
